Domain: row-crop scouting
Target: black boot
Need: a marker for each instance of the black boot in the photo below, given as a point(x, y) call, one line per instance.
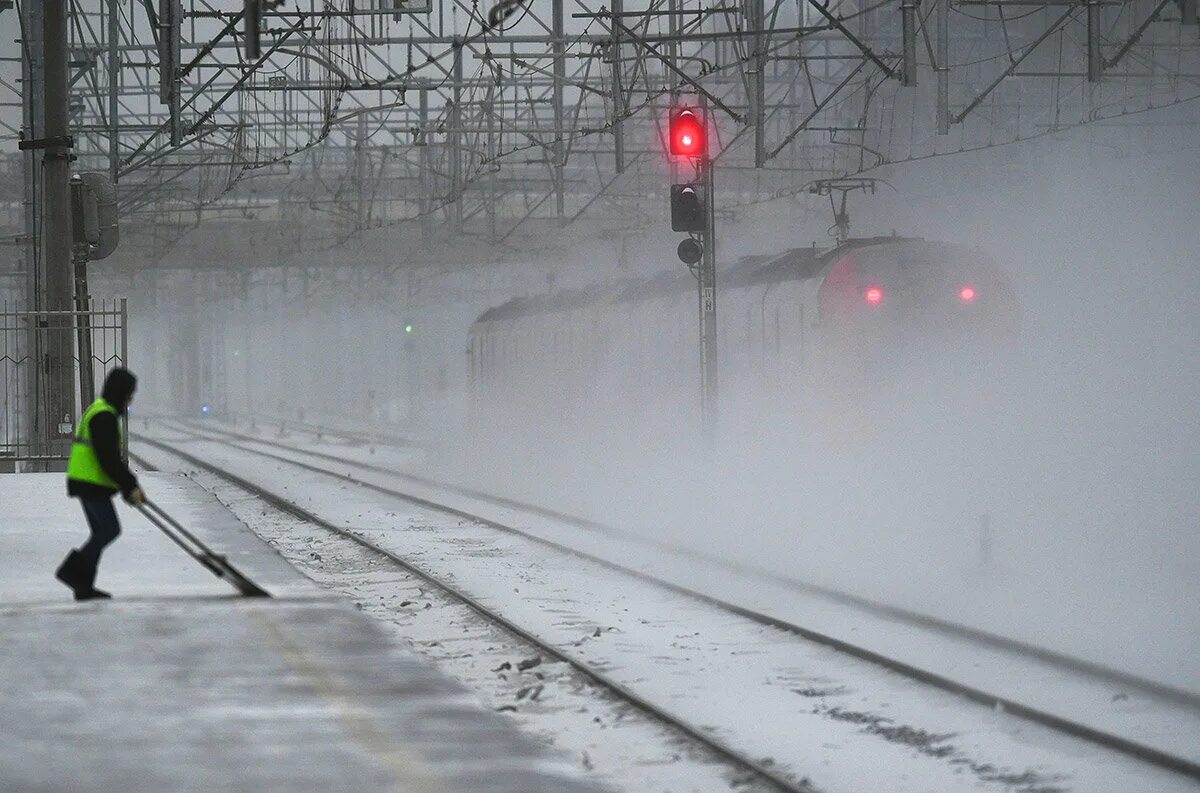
point(74, 573)
point(90, 592)
point(77, 574)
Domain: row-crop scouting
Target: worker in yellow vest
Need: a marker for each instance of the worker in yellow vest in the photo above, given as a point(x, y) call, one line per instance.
point(96, 472)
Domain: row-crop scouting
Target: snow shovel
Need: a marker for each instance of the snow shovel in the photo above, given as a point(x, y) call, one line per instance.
point(191, 545)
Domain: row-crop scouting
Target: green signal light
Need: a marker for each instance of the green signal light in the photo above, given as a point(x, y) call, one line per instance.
point(408, 328)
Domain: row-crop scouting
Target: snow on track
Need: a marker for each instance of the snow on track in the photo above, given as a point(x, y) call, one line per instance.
point(844, 723)
point(1104, 705)
point(635, 748)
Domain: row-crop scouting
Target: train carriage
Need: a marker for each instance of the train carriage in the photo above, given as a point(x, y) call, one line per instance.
point(837, 331)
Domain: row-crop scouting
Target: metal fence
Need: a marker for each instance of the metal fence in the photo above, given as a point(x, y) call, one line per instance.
point(37, 419)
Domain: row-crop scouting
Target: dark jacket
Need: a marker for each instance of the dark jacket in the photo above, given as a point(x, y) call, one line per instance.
point(106, 441)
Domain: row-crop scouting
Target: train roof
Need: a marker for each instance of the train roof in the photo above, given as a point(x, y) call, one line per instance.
point(791, 265)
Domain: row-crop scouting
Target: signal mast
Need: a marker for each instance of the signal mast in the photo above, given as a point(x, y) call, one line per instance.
point(692, 212)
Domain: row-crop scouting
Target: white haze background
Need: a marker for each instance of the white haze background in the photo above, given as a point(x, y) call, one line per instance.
point(1084, 476)
point(1085, 473)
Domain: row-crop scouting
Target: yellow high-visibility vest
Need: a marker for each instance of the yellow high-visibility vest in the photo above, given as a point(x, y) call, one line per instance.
point(84, 466)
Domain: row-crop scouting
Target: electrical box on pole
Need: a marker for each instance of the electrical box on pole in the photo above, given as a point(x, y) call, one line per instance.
point(94, 206)
point(94, 235)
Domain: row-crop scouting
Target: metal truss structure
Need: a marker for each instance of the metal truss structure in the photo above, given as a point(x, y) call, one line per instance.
point(460, 124)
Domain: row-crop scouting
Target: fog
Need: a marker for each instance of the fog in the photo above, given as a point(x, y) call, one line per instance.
point(1061, 510)
point(1065, 512)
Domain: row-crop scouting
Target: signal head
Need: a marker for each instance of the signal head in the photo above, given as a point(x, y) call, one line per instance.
point(690, 251)
point(686, 133)
point(687, 208)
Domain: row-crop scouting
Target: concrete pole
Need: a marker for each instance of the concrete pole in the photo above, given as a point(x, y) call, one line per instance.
point(33, 421)
point(758, 101)
point(170, 21)
point(248, 341)
point(1095, 62)
point(560, 76)
point(618, 92)
point(943, 67)
point(426, 170)
point(708, 311)
point(114, 89)
point(908, 24)
point(360, 173)
point(83, 298)
point(56, 222)
point(490, 149)
point(673, 26)
point(456, 135)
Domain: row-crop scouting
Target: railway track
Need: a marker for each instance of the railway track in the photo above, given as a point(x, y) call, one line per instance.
point(1060, 660)
point(750, 767)
point(320, 431)
point(991, 700)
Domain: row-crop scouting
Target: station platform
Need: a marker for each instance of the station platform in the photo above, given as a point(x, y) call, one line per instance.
point(178, 684)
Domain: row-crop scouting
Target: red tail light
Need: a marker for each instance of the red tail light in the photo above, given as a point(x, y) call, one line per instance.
point(873, 295)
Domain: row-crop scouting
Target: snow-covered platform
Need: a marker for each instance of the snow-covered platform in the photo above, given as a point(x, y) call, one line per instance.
point(178, 684)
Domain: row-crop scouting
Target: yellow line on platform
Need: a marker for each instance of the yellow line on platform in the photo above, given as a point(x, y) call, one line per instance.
point(411, 773)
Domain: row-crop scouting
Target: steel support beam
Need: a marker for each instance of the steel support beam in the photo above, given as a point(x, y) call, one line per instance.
point(1012, 67)
point(545, 100)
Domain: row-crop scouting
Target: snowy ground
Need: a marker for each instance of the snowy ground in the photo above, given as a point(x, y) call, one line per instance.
point(605, 737)
point(177, 684)
point(844, 724)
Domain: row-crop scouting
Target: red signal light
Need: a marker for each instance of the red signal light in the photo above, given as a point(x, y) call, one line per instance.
point(686, 133)
point(967, 294)
point(873, 295)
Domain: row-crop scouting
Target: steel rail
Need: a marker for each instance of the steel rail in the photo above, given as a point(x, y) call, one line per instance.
point(1061, 660)
point(720, 748)
point(992, 701)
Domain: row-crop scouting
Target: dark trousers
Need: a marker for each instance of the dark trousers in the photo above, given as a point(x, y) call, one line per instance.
point(102, 520)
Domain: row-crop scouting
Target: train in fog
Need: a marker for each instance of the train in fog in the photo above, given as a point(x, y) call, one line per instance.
point(841, 328)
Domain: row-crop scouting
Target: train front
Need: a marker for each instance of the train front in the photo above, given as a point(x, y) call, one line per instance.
point(908, 322)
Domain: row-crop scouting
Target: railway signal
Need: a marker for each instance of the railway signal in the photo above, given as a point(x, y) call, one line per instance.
point(690, 252)
point(687, 208)
point(686, 133)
